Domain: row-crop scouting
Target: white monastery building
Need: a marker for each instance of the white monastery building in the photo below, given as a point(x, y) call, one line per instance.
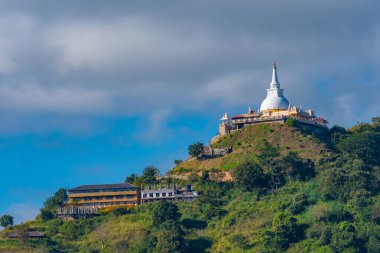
point(274, 109)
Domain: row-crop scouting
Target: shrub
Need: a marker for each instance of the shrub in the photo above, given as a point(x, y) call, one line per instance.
point(119, 211)
point(344, 236)
point(373, 244)
point(71, 230)
point(321, 231)
point(290, 122)
point(299, 203)
point(286, 229)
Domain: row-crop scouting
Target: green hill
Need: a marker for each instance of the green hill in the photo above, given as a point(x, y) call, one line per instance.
point(293, 192)
point(253, 140)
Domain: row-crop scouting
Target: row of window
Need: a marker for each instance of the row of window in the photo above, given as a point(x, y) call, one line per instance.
point(157, 195)
point(112, 204)
point(106, 197)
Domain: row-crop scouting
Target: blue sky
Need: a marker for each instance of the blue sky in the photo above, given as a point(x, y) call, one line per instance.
point(91, 91)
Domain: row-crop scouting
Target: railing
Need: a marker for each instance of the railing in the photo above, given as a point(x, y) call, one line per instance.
point(77, 210)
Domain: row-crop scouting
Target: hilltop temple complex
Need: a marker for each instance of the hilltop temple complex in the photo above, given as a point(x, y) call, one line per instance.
point(274, 109)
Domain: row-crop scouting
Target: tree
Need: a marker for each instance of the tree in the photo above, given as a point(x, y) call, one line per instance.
point(337, 133)
point(195, 149)
point(131, 179)
point(376, 124)
point(6, 220)
point(165, 211)
point(150, 175)
point(50, 205)
point(364, 146)
point(361, 127)
point(46, 214)
point(286, 229)
point(57, 199)
point(293, 166)
point(178, 162)
point(249, 175)
point(338, 129)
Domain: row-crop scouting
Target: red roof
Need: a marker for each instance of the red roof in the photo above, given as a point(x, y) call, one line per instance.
point(319, 119)
point(238, 116)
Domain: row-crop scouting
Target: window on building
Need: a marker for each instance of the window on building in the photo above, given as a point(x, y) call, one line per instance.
point(151, 195)
point(164, 194)
point(170, 194)
point(99, 197)
point(144, 195)
point(157, 195)
point(109, 197)
point(120, 197)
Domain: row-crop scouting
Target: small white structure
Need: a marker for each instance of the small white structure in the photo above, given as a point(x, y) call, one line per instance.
point(171, 193)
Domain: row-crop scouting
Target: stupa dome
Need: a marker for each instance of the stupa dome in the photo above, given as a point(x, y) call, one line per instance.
point(275, 99)
point(274, 103)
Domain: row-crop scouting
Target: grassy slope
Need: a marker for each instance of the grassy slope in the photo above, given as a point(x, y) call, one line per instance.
point(114, 232)
point(248, 142)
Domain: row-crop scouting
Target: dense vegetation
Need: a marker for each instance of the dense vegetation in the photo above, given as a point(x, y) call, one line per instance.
point(280, 201)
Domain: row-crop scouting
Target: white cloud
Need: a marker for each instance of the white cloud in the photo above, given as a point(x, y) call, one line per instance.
point(128, 43)
point(155, 126)
point(34, 98)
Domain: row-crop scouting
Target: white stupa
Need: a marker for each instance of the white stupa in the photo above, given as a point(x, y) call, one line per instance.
point(275, 99)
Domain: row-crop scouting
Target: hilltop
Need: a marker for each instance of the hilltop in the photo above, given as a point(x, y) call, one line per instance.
point(249, 142)
point(293, 191)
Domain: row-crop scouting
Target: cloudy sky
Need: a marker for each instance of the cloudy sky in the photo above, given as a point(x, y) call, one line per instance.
point(91, 91)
